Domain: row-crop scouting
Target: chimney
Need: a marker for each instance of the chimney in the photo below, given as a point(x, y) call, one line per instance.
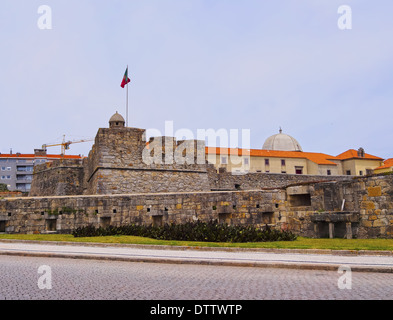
point(40, 152)
point(361, 153)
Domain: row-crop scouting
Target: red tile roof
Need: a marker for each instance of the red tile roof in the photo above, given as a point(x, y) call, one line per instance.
point(353, 154)
point(32, 156)
point(319, 158)
point(386, 164)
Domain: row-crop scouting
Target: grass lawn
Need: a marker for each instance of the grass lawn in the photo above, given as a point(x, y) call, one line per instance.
point(300, 243)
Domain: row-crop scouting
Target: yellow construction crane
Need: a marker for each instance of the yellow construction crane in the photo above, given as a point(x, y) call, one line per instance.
point(65, 145)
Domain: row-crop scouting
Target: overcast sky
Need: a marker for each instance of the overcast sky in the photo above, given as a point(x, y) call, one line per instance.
point(252, 64)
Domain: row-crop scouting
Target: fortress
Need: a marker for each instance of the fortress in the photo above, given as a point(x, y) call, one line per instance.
point(126, 179)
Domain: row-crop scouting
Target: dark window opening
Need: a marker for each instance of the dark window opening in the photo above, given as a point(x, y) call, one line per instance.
point(105, 222)
point(157, 221)
point(329, 172)
point(2, 226)
point(51, 224)
point(298, 170)
point(224, 218)
point(348, 172)
point(264, 218)
point(300, 200)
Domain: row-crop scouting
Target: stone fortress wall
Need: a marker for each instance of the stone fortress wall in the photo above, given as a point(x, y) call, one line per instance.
point(308, 209)
point(126, 179)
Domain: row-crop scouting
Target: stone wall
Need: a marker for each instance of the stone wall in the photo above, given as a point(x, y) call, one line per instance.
point(63, 214)
point(117, 164)
point(224, 180)
point(308, 209)
point(60, 177)
point(370, 197)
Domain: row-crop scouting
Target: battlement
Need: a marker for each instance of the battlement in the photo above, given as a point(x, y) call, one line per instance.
point(122, 161)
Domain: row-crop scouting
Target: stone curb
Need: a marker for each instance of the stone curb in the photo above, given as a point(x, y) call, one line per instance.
point(282, 265)
point(226, 249)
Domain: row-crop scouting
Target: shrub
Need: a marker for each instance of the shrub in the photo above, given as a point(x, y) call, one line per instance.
point(192, 231)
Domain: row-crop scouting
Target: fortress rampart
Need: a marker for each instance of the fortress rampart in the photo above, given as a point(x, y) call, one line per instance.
point(126, 179)
point(308, 209)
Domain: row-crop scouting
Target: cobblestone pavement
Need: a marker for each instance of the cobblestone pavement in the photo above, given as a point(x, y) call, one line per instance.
point(91, 279)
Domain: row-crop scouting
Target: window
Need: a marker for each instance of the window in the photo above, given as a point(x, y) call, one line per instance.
point(299, 170)
point(329, 172)
point(283, 162)
point(360, 173)
point(105, 222)
point(300, 200)
point(246, 161)
point(283, 171)
point(50, 224)
point(223, 160)
point(157, 221)
point(348, 172)
point(266, 162)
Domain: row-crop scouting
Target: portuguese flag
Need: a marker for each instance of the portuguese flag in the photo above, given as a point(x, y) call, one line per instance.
point(125, 79)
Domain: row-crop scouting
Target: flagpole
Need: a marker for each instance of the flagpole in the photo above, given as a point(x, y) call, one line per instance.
point(127, 100)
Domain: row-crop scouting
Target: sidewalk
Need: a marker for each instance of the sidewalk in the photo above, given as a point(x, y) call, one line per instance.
point(358, 261)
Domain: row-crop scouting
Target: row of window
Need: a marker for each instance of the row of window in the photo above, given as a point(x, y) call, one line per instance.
point(23, 169)
point(36, 161)
point(247, 161)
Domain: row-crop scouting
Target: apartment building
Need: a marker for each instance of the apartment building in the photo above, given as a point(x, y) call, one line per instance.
point(16, 170)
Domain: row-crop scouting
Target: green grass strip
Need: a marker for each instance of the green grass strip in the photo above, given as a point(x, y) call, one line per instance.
point(300, 243)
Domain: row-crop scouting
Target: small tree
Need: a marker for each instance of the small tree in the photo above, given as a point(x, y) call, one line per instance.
point(3, 187)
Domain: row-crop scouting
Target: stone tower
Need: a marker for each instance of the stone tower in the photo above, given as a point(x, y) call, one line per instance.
point(122, 161)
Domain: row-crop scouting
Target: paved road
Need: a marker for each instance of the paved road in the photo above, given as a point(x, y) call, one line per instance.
point(98, 279)
point(219, 257)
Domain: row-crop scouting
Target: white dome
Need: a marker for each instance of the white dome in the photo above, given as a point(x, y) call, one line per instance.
point(281, 142)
